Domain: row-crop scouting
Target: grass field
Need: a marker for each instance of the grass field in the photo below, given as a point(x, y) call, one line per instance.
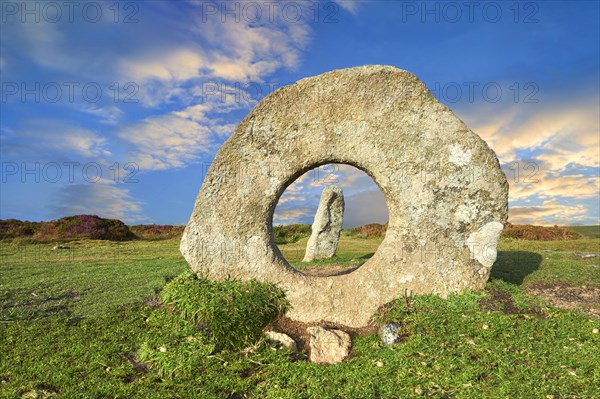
point(85, 323)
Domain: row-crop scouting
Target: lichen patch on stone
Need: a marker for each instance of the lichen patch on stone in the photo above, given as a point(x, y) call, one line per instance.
point(458, 155)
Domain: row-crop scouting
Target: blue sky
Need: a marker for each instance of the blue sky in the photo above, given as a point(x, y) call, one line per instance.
point(117, 109)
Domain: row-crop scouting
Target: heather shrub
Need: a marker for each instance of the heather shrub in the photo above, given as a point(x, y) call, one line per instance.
point(540, 233)
point(68, 228)
point(13, 228)
point(367, 231)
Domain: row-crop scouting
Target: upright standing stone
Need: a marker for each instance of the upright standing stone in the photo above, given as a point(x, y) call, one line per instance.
point(327, 226)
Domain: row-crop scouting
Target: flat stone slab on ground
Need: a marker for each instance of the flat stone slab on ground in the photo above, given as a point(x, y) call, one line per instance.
point(328, 346)
point(587, 255)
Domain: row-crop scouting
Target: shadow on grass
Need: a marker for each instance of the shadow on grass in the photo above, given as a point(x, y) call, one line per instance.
point(514, 266)
point(18, 305)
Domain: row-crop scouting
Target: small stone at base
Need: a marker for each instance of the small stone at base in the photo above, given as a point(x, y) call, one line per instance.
point(389, 334)
point(285, 340)
point(328, 346)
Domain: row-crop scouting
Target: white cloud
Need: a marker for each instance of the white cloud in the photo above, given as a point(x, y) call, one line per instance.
point(85, 142)
point(58, 138)
point(564, 143)
point(196, 113)
point(223, 130)
point(213, 49)
point(169, 141)
point(175, 65)
point(349, 5)
point(224, 53)
point(109, 115)
point(546, 184)
point(551, 213)
point(43, 42)
point(293, 215)
point(347, 177)
point(103, 198)
point(291, 198)
point(566, 133)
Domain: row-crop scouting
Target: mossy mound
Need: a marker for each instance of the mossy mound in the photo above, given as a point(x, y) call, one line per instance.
point(232, 312)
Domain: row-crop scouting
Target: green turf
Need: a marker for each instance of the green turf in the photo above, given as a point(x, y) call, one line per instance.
point(75, 324)
point(85, 280)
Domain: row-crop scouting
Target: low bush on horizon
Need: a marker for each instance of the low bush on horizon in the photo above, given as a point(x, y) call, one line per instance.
point(518, 231)
point(291, 233)
point(93, 227)
point(367, 230)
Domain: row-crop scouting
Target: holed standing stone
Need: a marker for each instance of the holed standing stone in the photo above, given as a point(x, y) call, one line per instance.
point(445, 192)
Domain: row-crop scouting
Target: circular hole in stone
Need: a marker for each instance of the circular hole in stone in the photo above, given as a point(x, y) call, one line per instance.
point(313, 201)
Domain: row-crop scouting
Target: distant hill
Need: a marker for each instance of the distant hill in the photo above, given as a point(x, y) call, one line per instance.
point(539, 233)
point(523, 231)
point(96, 228)
point(82, 227)
point(368, 230)
point(67, 228)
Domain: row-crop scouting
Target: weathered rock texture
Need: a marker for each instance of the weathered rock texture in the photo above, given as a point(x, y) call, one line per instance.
point(328, 346)
point(389, 334)
point(327, 226)
point(445, 192)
